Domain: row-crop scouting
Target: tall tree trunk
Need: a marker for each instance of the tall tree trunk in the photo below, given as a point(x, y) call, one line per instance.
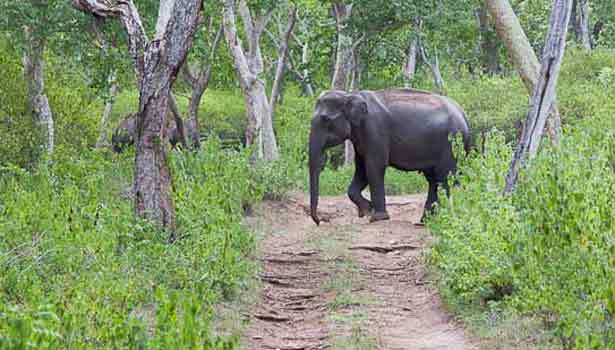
point(104, 122)
point(282, 58)
point(193, 114)
point(355, 77)
point(544, 93)
point(343, 55)
point(524, 59)
point(156, 64)
point(199, 83)
point(409, 69)
point(490, 59)
point(38, 104)
point(581, 24)
point(308, 88)
point(249, 67)
point(177, 23)
point(343, 61)
point(434, 66)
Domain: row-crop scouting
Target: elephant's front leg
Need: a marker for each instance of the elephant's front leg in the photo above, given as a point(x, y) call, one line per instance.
point(359, 182)
point(375, 177)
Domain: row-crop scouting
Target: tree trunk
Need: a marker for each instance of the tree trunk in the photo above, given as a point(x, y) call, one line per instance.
point(434, 67)
point(156, 63)
point(177, 23)
point(510, 32)
point(199, 83)
point(308, 88)
point(581, 24)
point(409, 69)
point(488, 45)
point(249, 66)
point(179, 122)
point(524, 59)
point(193, 114)
point(282, 58)
point(544, 94)
point(343, 55)
point(104, 123)
point(38, 104)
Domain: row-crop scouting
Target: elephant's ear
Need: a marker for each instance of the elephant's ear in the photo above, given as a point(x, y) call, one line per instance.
point(355, 108)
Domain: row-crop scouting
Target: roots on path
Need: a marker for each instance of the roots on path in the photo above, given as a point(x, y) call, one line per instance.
point(346, 284)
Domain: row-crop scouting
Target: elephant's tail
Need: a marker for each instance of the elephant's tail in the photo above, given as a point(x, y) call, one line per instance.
point(466, 134)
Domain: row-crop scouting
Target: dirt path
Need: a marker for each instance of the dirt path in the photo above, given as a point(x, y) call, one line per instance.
point(346, 284)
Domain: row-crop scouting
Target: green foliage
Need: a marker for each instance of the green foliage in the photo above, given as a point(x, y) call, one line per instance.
point(76, 115)
point(16, 130)
point(548, 250)
point(79, 271)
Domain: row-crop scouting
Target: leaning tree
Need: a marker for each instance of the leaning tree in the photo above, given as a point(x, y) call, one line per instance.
point(157, 63)
point(544, 91)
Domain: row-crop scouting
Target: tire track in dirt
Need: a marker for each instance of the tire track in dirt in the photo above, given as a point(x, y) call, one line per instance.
point(397, 308)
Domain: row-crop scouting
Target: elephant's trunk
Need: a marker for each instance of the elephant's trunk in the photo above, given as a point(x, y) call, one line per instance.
point(316, 149)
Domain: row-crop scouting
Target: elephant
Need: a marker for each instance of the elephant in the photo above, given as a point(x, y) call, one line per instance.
point(124, 135)
point(407, 129)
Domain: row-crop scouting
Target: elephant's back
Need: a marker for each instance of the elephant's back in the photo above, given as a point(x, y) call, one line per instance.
point(411, 106)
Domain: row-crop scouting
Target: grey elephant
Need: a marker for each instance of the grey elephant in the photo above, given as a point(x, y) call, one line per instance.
point(404, 128)
point(124, 135)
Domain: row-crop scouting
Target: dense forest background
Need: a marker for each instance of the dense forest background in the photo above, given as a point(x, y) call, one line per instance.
point(81, 270)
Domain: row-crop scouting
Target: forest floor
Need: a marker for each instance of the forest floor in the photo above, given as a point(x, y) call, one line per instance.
point(346, 284)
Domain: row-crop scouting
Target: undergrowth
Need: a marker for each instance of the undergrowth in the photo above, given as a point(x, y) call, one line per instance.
point(548, 251)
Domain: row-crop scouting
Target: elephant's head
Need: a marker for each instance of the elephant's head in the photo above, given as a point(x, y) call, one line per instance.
point(335, 115)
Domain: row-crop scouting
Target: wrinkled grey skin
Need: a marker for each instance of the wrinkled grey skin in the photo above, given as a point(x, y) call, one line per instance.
point(403, 128)
point(124, 134)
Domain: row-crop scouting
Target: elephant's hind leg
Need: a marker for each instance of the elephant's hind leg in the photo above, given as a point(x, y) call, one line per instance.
point(432, 194)
point(358, 184)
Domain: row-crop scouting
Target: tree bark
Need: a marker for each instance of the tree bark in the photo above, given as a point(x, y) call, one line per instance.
point(581, 24)
point(282, 57)
point(510, 32)
point(524, 59)
point(544, 93)
point(434, 66)
point(104, 122)
point(179, 121)
point(157, 63)
point(199, 83)
point(409, 69)
point(343, 61)
point(309, 89)
point(38, 104)
point(490, 59)
point(249, 67)
point(343, 55)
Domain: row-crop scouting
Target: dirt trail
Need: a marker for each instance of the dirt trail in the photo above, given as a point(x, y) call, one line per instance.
point(346, 284)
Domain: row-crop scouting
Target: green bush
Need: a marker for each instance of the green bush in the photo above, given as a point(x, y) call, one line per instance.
point(548, 250)
point(16, 131)
point(79, 271)
point(75, 113)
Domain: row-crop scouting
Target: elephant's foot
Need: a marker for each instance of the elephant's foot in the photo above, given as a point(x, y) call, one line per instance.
point(379, 216)
point(426, 213)
point(365, 209)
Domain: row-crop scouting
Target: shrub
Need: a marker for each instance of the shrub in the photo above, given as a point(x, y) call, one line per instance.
point(79, 271)
point(548, 250)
